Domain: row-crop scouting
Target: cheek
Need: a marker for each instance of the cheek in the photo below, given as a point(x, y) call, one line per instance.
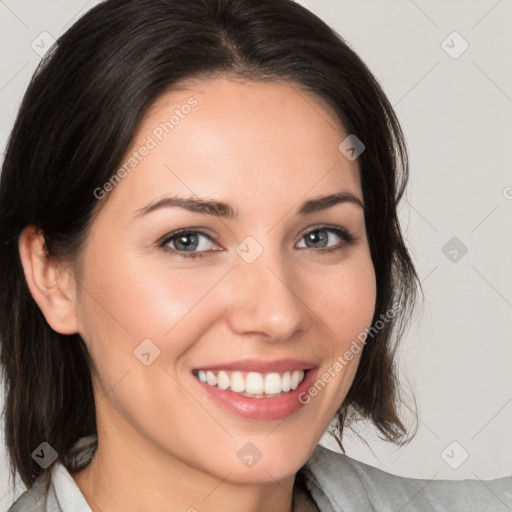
point(129, 300)
point(138, 309)
point(345, 299)
point(344, 302)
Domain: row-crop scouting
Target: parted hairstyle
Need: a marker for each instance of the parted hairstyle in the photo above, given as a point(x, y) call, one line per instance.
point(75, 124)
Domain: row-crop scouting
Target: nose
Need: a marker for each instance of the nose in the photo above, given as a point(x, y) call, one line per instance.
point(265, 299)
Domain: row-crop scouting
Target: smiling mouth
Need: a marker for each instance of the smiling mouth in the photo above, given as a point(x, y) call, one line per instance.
point(252, 384)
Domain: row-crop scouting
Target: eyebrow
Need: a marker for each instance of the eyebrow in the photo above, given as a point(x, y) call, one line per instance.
point(220, 209)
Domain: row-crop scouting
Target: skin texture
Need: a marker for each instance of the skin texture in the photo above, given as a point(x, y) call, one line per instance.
point(164, 445)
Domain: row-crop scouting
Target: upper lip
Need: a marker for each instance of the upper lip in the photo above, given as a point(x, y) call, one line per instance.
point(261, 366)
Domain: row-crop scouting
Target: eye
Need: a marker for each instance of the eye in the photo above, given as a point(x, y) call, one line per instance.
point(193, 243)
point(189, 243)
point(322, 237)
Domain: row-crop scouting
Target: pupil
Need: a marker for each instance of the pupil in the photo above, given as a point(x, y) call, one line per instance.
point(318, 236)
point(182, 240)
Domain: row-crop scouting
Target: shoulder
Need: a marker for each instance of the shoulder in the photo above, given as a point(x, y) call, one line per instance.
point(339, 482)
point(62, 495)
point(33, 500)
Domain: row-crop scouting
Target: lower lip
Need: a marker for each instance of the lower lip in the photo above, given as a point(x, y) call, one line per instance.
point(261, 408)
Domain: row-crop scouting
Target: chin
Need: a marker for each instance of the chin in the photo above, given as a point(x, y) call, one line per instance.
point(262, 465)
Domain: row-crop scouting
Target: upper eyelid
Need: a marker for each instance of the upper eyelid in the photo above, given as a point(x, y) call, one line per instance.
point(166, 238)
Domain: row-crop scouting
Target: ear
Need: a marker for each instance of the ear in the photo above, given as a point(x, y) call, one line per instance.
point(51, 284)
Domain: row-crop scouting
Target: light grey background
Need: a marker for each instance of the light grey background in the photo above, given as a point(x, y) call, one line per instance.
point(456, 114)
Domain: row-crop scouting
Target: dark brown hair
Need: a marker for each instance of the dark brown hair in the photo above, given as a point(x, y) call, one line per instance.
point(77, 119)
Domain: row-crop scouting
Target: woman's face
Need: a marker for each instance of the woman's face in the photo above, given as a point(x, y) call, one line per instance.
point(264, 287)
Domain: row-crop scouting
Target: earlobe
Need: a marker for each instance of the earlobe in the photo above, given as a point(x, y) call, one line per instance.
point(50, 284)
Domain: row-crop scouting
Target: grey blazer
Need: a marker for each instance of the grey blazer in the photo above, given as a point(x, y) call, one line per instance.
point(334, 481)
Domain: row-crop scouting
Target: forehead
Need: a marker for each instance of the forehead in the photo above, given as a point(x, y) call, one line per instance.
point(253, 143)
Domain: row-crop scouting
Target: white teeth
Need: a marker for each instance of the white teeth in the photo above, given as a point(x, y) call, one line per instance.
point(286, 382)
point(237, 382)
point(253, 383)
point(223, 381)
point(295, 380)
point(273, 384)
point(211, 379)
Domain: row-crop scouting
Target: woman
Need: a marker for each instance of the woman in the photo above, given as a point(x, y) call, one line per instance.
point(202, 267)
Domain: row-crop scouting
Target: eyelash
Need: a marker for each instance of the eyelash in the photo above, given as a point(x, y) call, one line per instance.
point(347, 237)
